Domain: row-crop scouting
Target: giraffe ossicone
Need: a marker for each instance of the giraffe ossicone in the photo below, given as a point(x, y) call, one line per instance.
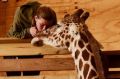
point(71, 34)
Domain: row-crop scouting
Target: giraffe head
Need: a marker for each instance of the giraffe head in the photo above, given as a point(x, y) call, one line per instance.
point(70, 27)
point(75, 22)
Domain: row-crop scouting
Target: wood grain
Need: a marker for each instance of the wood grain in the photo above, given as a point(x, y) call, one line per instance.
point(37, 64)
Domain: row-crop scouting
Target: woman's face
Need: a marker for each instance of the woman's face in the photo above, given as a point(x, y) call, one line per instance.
point(41, 23)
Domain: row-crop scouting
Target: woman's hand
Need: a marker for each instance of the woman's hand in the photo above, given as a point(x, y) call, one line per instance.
point(33, 31)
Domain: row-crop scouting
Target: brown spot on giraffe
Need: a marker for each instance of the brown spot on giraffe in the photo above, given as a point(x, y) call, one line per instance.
point(54, 35)
point(80, 43)
point(67, 44)
point(67, 25)
point(85, 55)
point(86, 68)
point(89, 48)
point(83, 37)
point(93, 61)
point(77, 52)
point(62, 35)
point(80, 64)
point(92, 74)
point(67, 37)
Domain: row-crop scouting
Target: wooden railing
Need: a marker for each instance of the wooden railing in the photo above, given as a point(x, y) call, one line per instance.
point(19, 55)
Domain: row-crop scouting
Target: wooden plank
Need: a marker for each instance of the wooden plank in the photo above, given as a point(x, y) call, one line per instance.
point(111, 52)
point(70, 72)
point(18, 49)
point(42, 77)
point(113, 75)
point(28, 77)
point(7, 40)
point(58, 56)
point(114, 69)
point(36, 64)
point(23, 77)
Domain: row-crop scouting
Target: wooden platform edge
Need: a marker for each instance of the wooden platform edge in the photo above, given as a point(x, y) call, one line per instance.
point(36, 64)
point(41, 77)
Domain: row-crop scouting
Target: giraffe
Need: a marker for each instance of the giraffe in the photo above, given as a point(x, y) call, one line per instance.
point(71, 34)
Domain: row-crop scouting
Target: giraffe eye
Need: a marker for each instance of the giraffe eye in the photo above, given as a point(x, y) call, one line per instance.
point(76, 33)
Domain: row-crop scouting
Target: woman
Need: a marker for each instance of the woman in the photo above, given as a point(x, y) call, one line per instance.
point(31, 18)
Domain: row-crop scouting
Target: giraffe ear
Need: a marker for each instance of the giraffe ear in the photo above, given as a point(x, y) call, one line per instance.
point(84, 16)
point(66, 15)
point(78, 12)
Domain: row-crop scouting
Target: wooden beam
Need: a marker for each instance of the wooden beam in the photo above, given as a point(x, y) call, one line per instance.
point(23, 77)
point(113, 75)
point(18, 49)
point(22, 47)
point(41, 77)
point(6, 40)
point(36, 64)
point(111, 52)
point(114, 69)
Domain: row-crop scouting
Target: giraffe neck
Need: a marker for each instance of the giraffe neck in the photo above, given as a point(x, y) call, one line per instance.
point(83, 57)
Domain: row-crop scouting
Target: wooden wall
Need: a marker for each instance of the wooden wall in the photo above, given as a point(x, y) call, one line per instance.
point(104, 20)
